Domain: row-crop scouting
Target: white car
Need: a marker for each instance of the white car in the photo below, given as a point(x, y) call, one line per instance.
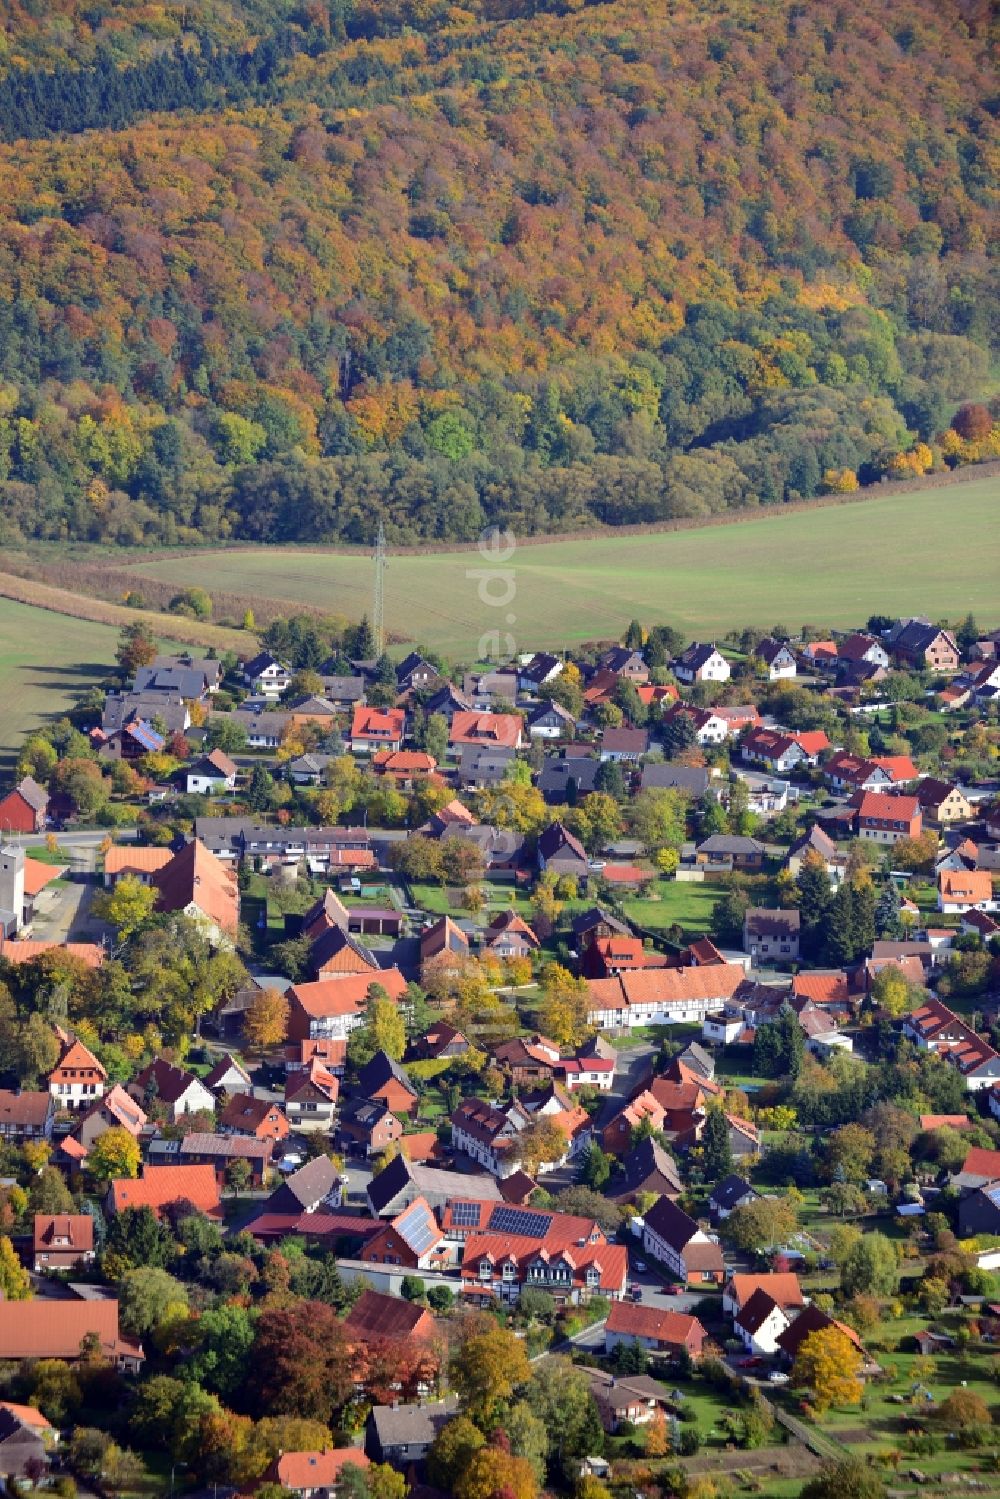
point(776, 1377)
point(641, 1266)
point(290, 1162)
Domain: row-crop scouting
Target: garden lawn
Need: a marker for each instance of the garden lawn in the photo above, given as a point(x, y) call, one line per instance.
point(679, 903)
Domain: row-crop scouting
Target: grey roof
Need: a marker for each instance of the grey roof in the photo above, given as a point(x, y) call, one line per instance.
point(479, 763)
point(344, 689)
point(175, 681)
point(547, 707)
point(36, 796)
point(397, 1185)
point(645, 1159)
point(815, 839)
point(225, 1145)
point(261, 663)
point(670, 775)
point(556, 774)
point(730, 843)
point(626, 741)
point(596, 916)
point(311, 1183)
point(696, 655)
point(761, 922)
point(366, 1112)
point(697, 1057)
point(731, 1190)
point(121, 708)
point(412, 1425)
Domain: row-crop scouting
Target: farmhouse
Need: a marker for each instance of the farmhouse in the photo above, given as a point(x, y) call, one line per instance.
point(667, 1332)
point(675, 1240)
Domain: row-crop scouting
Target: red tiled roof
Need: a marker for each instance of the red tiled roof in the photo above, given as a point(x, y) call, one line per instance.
point(822, 988)
point(130, 858)
point(486, 728)
point(313, 1470)
point(345, 994)
point(76, 1059)
point(970, 885)
point(381, 722)
point(196, 877)
point(782, 1287)
point(55, 1329)
point(26, 950)
point(637, 1321)
point(160, 1186)
point(981, 1162)
point(886, 808)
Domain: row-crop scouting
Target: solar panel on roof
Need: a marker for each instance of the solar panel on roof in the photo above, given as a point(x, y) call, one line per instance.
point(418, 1228)
point(465, 1214)
point(511, 1220)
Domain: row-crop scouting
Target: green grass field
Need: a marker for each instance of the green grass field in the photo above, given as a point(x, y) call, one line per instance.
point(933, 552)
point(46, 660)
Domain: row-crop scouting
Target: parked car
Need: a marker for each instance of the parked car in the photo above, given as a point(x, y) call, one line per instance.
point(777, 1377)
point(753, 1362)
point(641, 1266)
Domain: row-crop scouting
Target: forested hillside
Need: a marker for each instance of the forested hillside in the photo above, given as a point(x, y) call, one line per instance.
point(274, 270)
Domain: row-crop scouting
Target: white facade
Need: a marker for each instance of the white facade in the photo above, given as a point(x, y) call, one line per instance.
point(764, 1339)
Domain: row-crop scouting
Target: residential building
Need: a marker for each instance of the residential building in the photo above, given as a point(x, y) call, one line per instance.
point(402, 1181)
point(228, 1076)
point(78, 1078)
point(25, 1442)
point(411, 1240)
point(661, 1331)
point(402, 1435)
point(624, 746)
point(62, 1241)
point(559, 850)
point(965, 890)
point(376, 1319)
point(671, 776)
point(760, 1322)
point(487, 1134)
point(728, 851)
point(311, 1094)
point(934, 1027)
point(257, 1117)
point(887, 819)
point(266, 676)
point(175, 1089)
point(781, 1286)
point(777, 657)
point(568, 777)
point(701, 663)
point(331, 1008)
point(313, 1475)
point(200, 886)
point(942, 802)
point(489, 730)
point(674, 1239)
point(443, 947)
point(771, 936)
point(45, 1328)
point(164, 1187)
point(662, 996)
point(205, 1148)
point(136, 861)
point(567, 1256)
point(919, 644)
point(211, 775)
point(367, 1125)
point(646, 1167)
point(549, 720)
point(862, 648)
point(726, 1196)
point(374, 729)
point(634, 1399)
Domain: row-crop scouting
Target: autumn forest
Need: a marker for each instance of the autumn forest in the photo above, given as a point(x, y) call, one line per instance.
point(273, 271)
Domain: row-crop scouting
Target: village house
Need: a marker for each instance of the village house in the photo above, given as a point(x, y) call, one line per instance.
point(566, 778)
point(760, 1322)
point(385, 1080)
point(374, 729)
point(313, 1475)
point(311, 1093)
point(258, 1117)
point(173, 1088)
point(376, 1320)
point(661, 996)
point(771, 936)
point(726, 1196)
point(443, 946)
point(674, 1239)
point(488, 1135)
point(710, 726)
point(701, 663)
point(887, 819)
point(404, 769)
point(933, 1027)
point(862, 648)
point(624, 745)
point(162, 1187)
point(411, 1240)
point(62, 1241)
point(228, 1076)
point(491, 730)
point(626, 1399)
point(918, 644)
point(331, 1008)
point(45, 1328)
point(205, 1148)
point(211, 775)
point(78, 1078)
point(26, 1440)
point(402, 1181)
point(560, 851)
point(965, 890)
point(942, 802)
point(777, 658)
point(567, 1256)
point(728, 851)
point(402, 1435)
point(115, 1110)
point(549, 720)
point(266, 676)
point(367, 1125)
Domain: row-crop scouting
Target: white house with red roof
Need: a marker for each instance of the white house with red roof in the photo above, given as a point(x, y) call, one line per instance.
point(78, 1079)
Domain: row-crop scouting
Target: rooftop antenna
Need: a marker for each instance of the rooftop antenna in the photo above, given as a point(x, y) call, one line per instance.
point(378, 609)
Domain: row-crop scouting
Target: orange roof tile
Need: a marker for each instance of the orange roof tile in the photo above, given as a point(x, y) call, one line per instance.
point(196, 877)
point(345, 994)
point(37, 875)
point(159, 1186)
point(27, 950)
point(126, 858)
